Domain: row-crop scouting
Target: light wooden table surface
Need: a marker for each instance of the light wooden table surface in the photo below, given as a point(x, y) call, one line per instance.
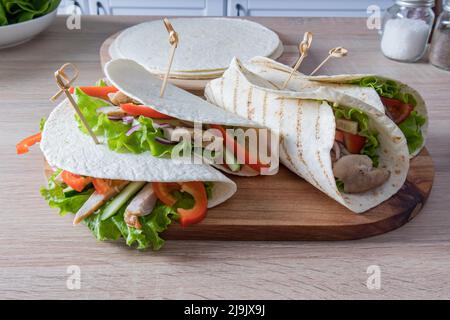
point(37, 246)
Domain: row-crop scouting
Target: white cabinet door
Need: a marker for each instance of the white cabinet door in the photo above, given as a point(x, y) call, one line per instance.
point(159, 7)
point(303, 8)
point(71, 6)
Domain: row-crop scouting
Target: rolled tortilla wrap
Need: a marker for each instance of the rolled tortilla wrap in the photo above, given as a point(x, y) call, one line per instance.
point(66, 147)
point(306, 125)
point(136, 82)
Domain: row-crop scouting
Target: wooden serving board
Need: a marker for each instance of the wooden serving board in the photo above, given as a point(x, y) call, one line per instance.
point(286, 207)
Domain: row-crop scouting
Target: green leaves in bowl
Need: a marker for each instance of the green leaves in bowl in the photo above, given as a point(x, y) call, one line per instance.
point(15, 11)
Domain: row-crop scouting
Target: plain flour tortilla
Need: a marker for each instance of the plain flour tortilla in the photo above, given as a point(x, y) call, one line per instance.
point(205, 44)
point(306, 125)
point(66, 147)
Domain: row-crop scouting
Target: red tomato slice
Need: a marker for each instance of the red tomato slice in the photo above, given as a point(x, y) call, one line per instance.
point(75, 181)
point(397, 110)
point(146, 111)
point(104, 186)
point(98, 92)
point(339, 136)
point(22, 146)
point(353, 142)
point(163, 190)
point(197, 213)
point(239, 151)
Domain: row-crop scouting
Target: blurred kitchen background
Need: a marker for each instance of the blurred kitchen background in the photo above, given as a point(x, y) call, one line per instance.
point(283, 8)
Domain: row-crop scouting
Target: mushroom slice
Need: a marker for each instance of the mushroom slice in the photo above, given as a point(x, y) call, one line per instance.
point(120, 97)
point(95, 201)
point(112, 111)
point(357, 173)
point(142, 205)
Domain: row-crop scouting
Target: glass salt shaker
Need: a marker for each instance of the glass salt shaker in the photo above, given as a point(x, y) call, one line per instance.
point(406, 29)
point(440, 44)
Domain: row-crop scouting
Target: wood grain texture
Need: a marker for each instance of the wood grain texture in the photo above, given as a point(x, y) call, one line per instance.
point(37, 246)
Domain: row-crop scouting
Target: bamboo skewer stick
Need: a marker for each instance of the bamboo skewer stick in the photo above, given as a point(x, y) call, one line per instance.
point(66, 78)
point(64, 82)
point(303, 48)
point(337, 52)
point(173, 40)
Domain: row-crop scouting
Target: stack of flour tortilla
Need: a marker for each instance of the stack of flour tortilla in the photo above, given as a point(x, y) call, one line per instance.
point(206, 45)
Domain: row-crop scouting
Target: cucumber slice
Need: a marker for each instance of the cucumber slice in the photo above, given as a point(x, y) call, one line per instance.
point(130, 190)
point(347, 126)
point(231, 161)
point(68, 191)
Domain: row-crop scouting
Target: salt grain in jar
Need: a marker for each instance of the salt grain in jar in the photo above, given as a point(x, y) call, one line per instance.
point(406, 29)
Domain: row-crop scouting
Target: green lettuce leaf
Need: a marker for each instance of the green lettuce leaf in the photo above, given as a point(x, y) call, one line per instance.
point(209, 188)
point(102, 230)
point(42, 124)
point(411, 128)
point(386, 88)
point(372, 144)
point(339, 184)
point(101, 83)
point(15, 11)
point(152, 225)
point(115, 132)
point(56, 198)
point(3, 17)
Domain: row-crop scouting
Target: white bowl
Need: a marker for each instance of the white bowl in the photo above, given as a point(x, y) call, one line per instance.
point(17, 33)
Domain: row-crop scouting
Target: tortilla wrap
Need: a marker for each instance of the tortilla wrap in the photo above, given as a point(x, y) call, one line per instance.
point(205, 44)
point(277, 73)
point(306, 124)
point(66, 147)
point(136, 82)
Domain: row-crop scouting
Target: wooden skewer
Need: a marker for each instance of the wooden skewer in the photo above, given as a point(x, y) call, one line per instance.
point(64, 83)
point(337, 52)
point(303, 48)
point(66, 78)
point(173, 40)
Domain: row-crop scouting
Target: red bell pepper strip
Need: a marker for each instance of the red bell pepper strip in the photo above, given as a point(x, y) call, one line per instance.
point(97, 92)
point(240, 151)
point(396, 109)
point(75, 181)
point(163, 190)
point(104, 186)
point(198, 212)
point(22, 146)
point(146, 111)
point(195, 188)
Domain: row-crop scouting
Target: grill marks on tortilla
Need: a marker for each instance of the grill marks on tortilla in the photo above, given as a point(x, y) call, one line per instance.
point(250, 106)
point(209, 93)
point(283, 136)
point(264, 111)
point(235, 90)
point(299, 145)
point(222, 84)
